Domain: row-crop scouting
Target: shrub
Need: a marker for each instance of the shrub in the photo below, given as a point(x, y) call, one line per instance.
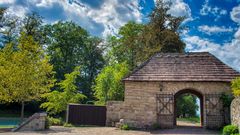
point(230, 129)
point(67, 125)
point(55, 121)
point(47, 123)
point(155, 126)
point(124, 127)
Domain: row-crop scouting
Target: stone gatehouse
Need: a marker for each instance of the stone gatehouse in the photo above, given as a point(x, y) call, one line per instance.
point(151, 90)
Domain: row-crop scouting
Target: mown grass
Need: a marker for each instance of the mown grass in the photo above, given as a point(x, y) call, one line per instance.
point(190, 119)
point(6, 126)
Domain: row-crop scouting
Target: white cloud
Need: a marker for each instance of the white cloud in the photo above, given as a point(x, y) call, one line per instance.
point(179, 8)
point(104, 20)
point(16, 10)
point(214, 29)
point(215, 11)
point(229, 53)
point(235, 14)
point(237, 34)
point(112, 14)
point(3, 2)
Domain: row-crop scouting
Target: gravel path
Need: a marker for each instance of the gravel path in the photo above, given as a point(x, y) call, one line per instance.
point(113, 131)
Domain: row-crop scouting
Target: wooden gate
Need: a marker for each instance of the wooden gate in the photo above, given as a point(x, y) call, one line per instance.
point(79, 114)
point(165, 110)
point(214, 111)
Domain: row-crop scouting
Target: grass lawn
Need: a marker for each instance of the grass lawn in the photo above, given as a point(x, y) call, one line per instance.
point(6, 126)
point(191, 119)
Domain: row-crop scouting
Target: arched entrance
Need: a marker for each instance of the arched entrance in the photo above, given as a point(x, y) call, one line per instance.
point(193, 92)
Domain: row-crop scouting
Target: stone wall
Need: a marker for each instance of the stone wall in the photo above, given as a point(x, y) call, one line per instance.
point(139, 108)
point(235, 112)
point(114, 111)
point(36, 122)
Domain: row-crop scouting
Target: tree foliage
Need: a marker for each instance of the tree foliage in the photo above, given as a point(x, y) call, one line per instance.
point(187, 105)
point(12, 25)
point(25, 73)
point(108, 83)
point(69, 46)
point(236, 87)
point(135, 43)
point(57, 100)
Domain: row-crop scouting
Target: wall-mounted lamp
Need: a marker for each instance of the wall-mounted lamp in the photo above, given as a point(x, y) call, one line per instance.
point(160, 87)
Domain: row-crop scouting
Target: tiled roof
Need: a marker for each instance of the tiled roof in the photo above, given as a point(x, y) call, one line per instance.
point(194, 66)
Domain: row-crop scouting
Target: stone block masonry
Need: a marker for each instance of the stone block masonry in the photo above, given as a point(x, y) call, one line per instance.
point(36, 122)
point(235, 112)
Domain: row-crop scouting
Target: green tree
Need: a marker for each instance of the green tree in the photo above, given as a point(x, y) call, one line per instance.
point(32, 25)
point(9, 31)
point(12, 25)
point(108, 83)
point(135, 43)
point(127, 47)
point(161, 33)
point(187, 105)
point(57, 100)
point(2, 10)
point(69, 46)
point(25, 73)
point(236, 87)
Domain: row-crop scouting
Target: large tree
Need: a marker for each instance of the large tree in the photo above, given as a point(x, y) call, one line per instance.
point(57, 100)
point(135, 43)
point(30, 24)
point(108, 83)
point(127, 47)
point(187, 105)
point(25, 73)
point(70, 46)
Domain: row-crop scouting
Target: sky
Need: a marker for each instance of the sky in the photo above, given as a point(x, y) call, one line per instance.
point(213, 25)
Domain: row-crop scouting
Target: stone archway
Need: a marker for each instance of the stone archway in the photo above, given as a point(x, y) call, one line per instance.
point(190, 91)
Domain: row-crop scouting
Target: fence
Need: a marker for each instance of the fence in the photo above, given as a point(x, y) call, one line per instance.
point(79, 114)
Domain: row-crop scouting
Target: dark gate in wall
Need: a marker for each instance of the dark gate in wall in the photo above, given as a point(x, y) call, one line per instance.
point(79, 114)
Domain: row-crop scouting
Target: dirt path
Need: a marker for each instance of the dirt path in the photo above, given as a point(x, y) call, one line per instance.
point(114, 131)
point(187, 123)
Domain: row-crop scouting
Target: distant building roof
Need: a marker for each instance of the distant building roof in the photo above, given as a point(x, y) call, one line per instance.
point(194, 66)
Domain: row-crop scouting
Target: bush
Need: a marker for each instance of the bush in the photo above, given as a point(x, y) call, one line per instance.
point(230, 129)
point(67, 125)
point(47, 123)
point(55, 121)
point(125, 127)
point(155, 126)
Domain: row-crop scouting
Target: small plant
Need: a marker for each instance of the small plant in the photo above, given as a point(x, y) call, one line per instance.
point(55, 121)
point(67, 125)
point(155, 126)
point(226, 99)
point(124, 127)
point(47, 123)
point(230, 130)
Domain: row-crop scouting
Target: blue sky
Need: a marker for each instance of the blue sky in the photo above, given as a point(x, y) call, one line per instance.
point(213, 25)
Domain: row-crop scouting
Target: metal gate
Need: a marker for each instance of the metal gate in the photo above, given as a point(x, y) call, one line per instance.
point(165, 110)
point(214, 111)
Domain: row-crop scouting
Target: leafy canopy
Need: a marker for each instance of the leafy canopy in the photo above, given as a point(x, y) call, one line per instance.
point(135, 43)
point(236, 87)
point(69, 45)
point(108, 83)
point(187, 105)
point(57, 100)
point(25, 73)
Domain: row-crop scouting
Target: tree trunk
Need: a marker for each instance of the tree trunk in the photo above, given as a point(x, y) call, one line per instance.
point(22, 111)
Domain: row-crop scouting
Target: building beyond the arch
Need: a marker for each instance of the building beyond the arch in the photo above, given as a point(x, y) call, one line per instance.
point(150, 89)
